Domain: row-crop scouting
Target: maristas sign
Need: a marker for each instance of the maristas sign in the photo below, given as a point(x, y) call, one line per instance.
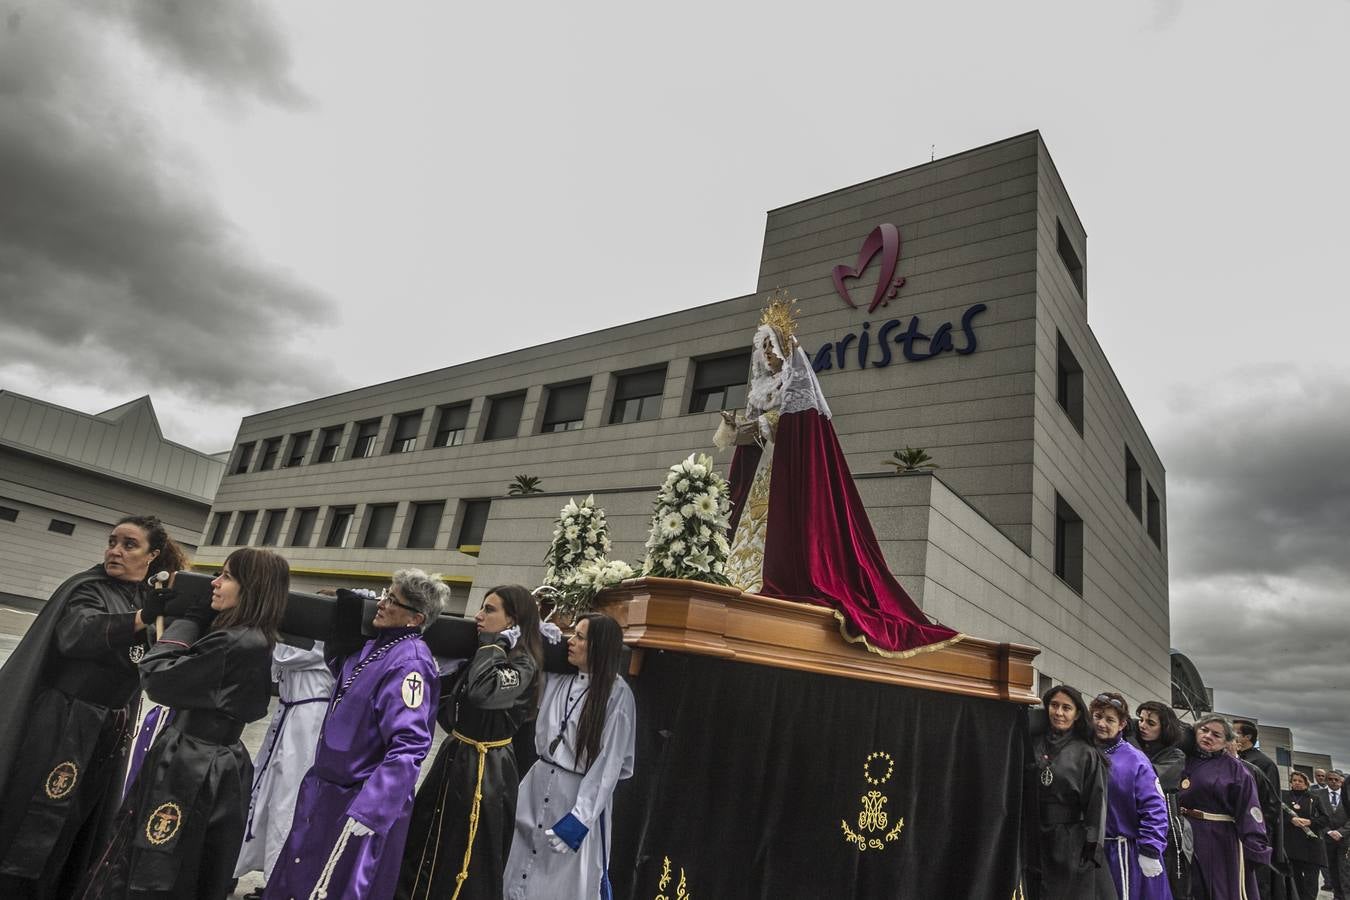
point(882, 245)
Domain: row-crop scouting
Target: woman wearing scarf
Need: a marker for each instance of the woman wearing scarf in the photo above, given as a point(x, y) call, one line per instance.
point(1067, 819)
point(1159, 737)
point(1136, 813)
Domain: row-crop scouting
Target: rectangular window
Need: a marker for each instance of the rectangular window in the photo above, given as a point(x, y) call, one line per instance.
point(242, 458)
point(473, 522)
point(1070, 258)
point(299, 447)
point(504, 416)
point(1069, 383)
point(303, 533)
point(8, 514)
point(363, 447)
point(272, 527)
point(244, 529)
point(61, 527)
point(218, 529)
point(637, 396)
point(450, 423)
point(720, 382)
point(1134, 480)
point(1154, 516)
point(566, 406)
point(339, 526)
point(271, 447)
point(328, 443)
point(379, 523)
point(1068, 545)
point(405, 432)
point(426, 524)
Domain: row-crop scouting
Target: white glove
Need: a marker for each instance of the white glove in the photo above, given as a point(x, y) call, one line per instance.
point(512, 635)
point(1151, 867)
point(557, 843)
point(552, 633)
point(356, 828)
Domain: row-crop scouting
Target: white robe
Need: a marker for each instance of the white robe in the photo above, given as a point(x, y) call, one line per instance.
point(552, 788)
point(305, 685)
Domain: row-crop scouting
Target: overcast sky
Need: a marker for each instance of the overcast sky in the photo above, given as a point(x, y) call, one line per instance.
point(236, 206)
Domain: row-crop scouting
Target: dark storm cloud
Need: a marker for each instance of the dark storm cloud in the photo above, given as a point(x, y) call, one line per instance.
point(111, 258)
point(1259, 521)
point(230, 47)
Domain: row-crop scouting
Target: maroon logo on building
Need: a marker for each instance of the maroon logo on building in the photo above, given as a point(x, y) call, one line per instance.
point(884, 241)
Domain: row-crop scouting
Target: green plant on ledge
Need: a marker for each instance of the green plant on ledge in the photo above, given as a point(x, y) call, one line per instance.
point(524, 484)
point(910, 459)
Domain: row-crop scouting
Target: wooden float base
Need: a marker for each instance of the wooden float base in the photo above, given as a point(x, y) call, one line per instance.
point(725, 622)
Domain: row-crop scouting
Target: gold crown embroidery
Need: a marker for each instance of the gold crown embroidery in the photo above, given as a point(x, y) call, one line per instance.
point(872, 817)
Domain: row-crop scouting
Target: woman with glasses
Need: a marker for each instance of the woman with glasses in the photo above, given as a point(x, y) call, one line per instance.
point(181, 824)
point(351, 818)
point(584, 738)
point(1219, 797)
point(1067, 819)
point(466, 807)
point(1136, 813)
point(1159, 737)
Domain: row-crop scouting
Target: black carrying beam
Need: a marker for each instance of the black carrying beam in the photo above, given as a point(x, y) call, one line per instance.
point(310, 618)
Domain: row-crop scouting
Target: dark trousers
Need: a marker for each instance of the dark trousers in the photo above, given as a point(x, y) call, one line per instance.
point(1305, 878)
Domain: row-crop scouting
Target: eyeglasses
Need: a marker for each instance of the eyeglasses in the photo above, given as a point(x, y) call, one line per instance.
point(388, 597)
point(1102, 698)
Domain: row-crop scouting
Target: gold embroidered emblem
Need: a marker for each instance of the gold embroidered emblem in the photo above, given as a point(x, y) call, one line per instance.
point(163, 823)
point(873, 818)
point(61, 780)
point(1185, 784)
point(681, 892)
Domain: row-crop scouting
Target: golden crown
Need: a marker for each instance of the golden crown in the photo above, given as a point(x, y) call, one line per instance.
point(781, 313)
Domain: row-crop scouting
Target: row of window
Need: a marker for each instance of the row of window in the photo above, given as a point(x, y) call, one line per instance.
point(375, 531)
point(719, 383)
point(60, 526)
point(1069, 393)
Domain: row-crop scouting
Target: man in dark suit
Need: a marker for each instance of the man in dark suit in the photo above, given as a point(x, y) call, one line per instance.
point(1337, 835)
point(1319, 788)
point(1249, 749)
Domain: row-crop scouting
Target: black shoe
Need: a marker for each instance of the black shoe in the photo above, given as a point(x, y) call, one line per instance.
point(256, 893)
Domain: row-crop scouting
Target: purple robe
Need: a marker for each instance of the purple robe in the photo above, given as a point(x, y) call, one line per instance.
point(377, 732)
point(1136, 822)
point(1226, 853)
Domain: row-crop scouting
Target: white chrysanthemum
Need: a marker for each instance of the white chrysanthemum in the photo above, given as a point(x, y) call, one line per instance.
point(704, 532)
point(705, 505)
point(682, 485)
point(585, 512)
point(672, 524)
point(721, 541)
point(571, 531)
point(687, 510)
point(590, 553)
point(676, 547)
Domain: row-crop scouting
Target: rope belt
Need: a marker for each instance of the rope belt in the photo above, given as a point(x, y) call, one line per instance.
point(482, 747)
point(1122, 862)
point(1203, 816)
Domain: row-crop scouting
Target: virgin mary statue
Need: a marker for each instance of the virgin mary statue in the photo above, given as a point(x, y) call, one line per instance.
point(799, 528)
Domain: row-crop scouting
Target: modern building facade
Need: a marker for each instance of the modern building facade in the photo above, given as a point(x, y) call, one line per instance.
point(66, 477)
point(945, 307)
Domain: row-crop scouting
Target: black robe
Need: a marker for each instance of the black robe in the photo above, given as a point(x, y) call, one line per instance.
point(71, 693)
point(488, 700)
point(1169, 763)
point(1063, 818)
point(179, 831)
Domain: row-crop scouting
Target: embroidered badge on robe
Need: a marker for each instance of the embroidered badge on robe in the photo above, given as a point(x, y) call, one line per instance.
point(413, 690)
point(508, 678)
point(1256, 814)
point(61, 780)
point(136, 652)
point(163, 823)
point(873, 816)
point(1185, 784)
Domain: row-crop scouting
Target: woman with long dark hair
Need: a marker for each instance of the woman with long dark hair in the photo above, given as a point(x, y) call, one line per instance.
point(71, 692)
point(1159, 737)
point(179, 829)
point(460, 835)
point(1067, 818)
point(584, 738)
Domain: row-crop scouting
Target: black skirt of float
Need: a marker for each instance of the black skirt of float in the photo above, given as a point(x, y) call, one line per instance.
point(756, 782)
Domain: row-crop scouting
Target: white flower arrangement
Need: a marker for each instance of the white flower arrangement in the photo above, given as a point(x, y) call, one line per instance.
point(578, 591)
point(580, 535)
point(689, 524)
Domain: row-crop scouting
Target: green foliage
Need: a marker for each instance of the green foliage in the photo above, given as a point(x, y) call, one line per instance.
point(910, 459)
point(525, 484)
